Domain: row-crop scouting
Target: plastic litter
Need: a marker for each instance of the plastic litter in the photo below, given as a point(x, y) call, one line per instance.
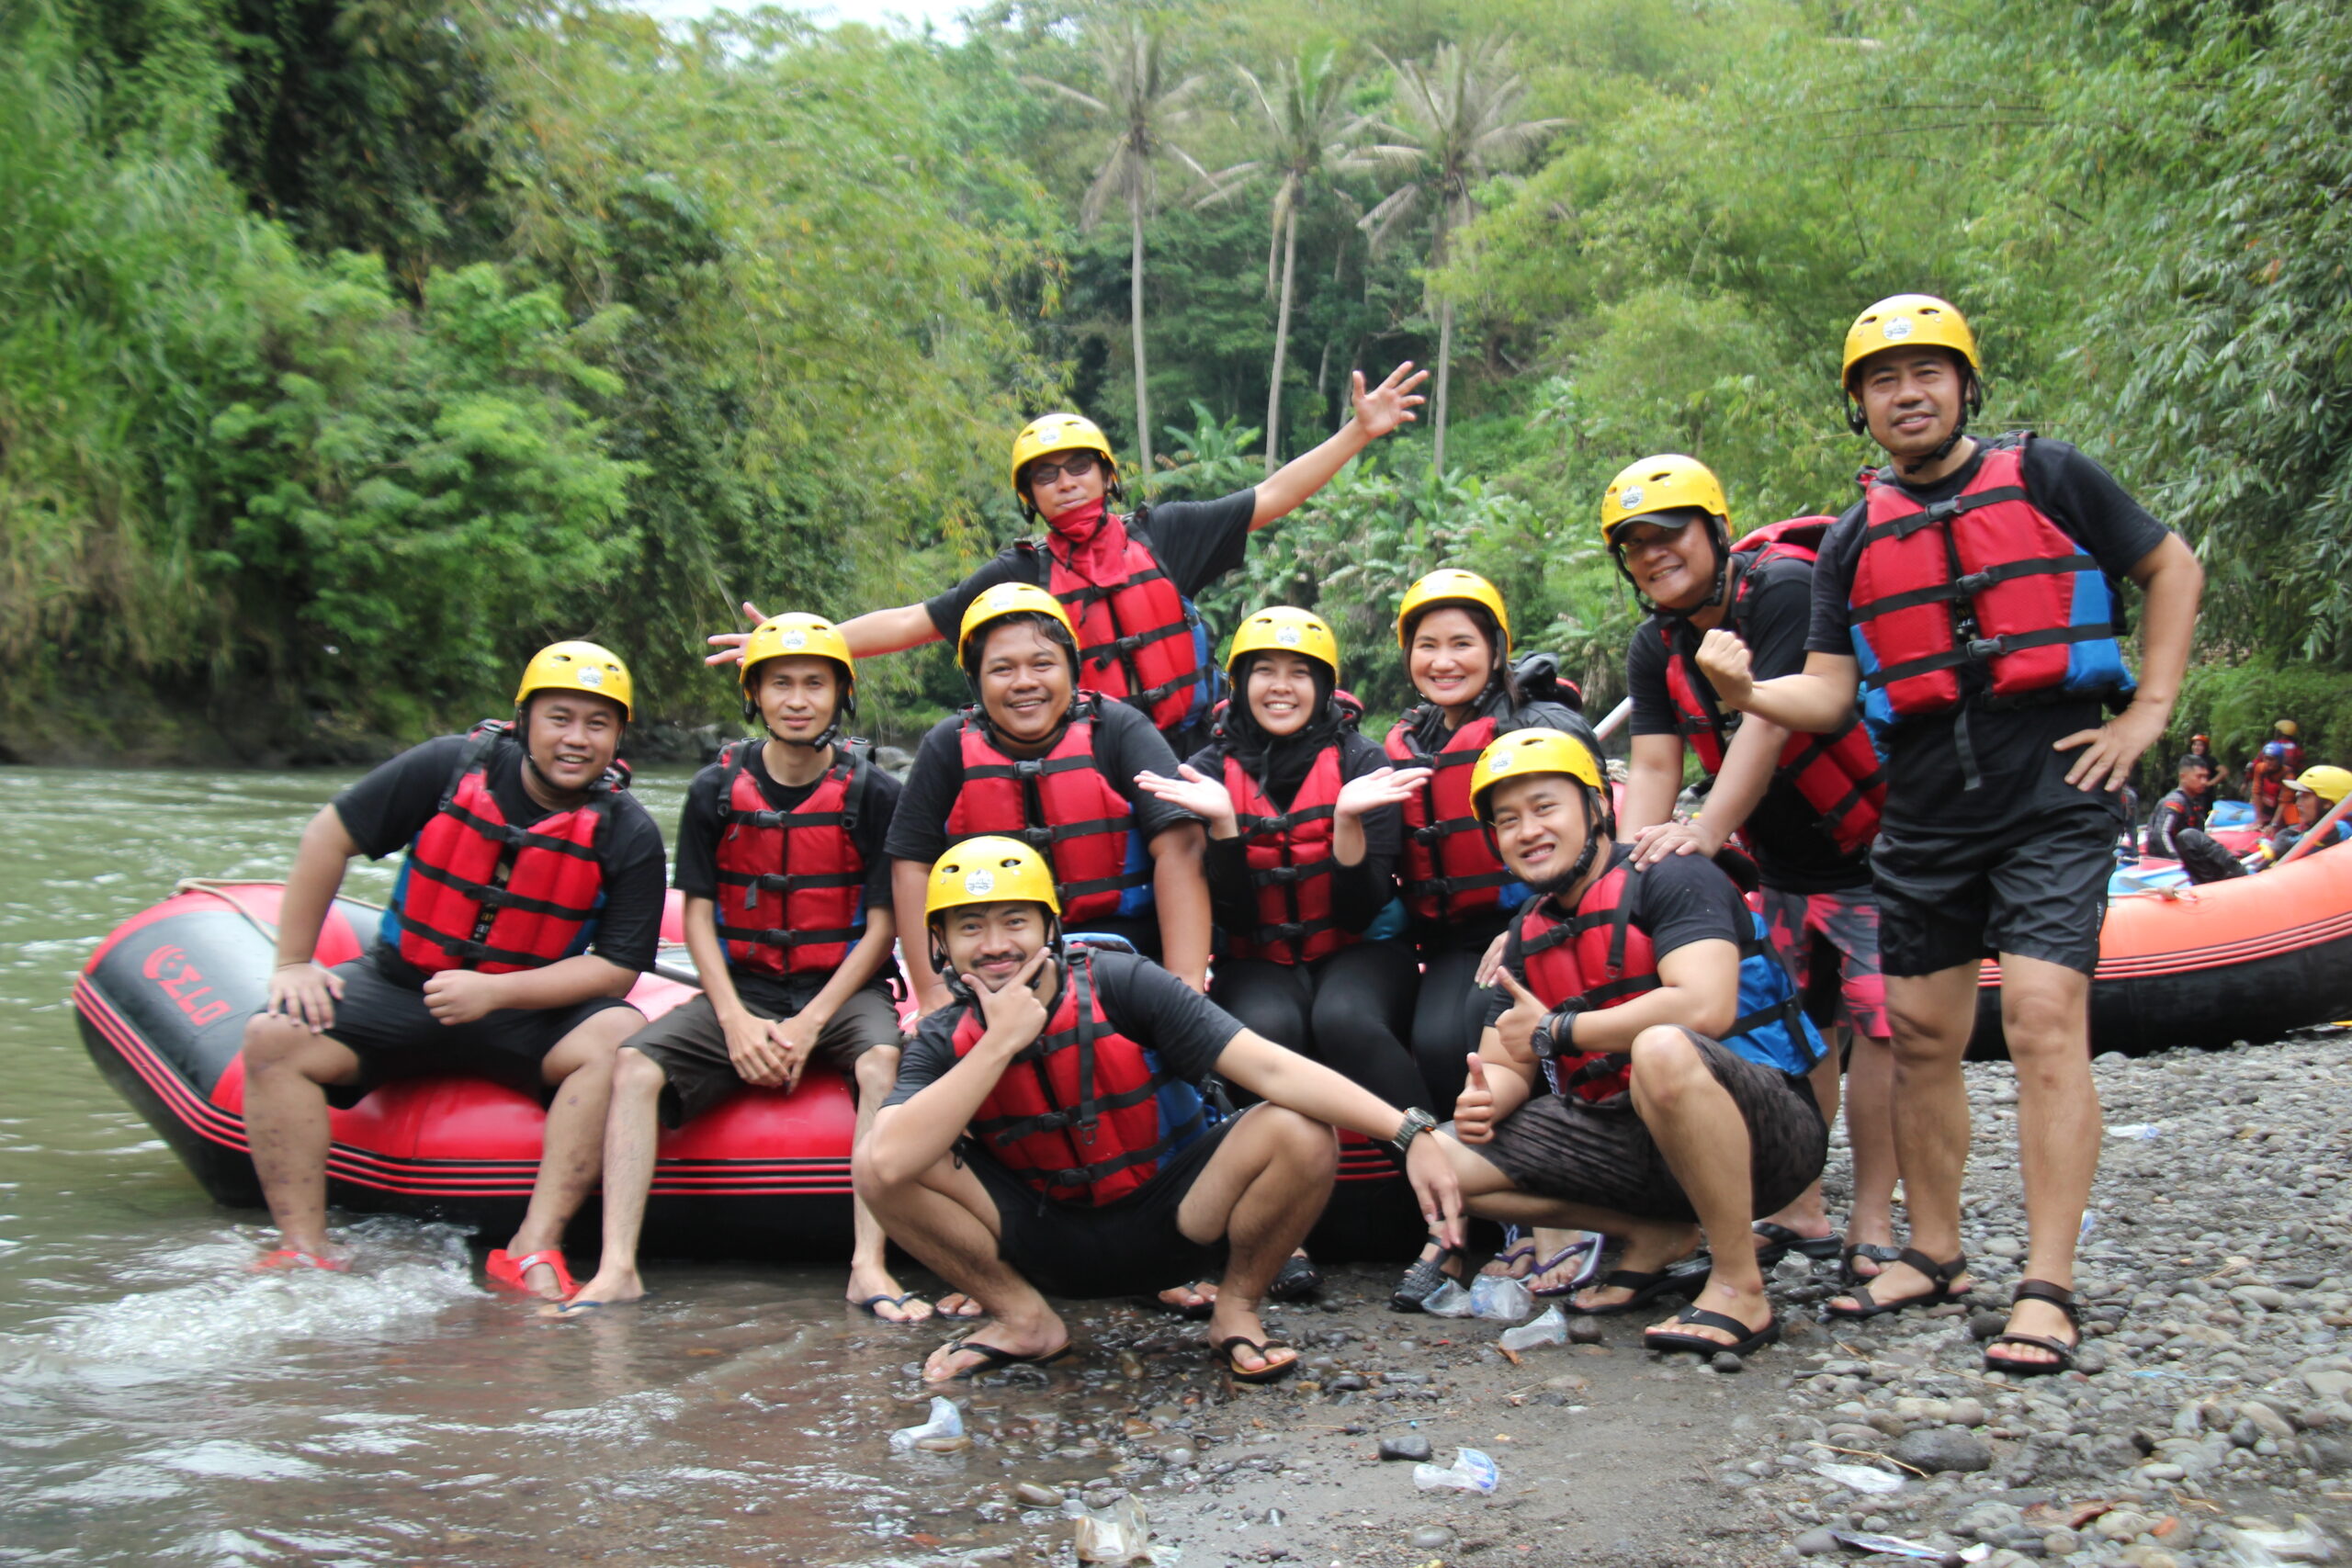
point(1550, 1329)
point(1858, 1477)
point(1500, 1298)
point(1448, 1300)
point(1470, 1471)
point(2270, 1548)
point(945, 1421)
point(1895, 1546)
point(1116, 1534)
point(2136, 1133)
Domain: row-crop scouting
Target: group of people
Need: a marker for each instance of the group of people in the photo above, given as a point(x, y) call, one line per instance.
point(2290, 803)
point(1164, 928)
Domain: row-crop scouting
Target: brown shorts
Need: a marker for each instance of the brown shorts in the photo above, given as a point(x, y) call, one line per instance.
point(1602, 1155)
point(690, 1047)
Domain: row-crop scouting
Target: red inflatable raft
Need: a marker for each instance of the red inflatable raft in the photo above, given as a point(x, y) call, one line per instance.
point(162, 1005)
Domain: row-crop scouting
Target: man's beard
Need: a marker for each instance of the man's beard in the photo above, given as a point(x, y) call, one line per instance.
point(1558, 886)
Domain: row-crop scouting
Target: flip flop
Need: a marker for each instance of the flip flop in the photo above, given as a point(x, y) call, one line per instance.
point(1589, 1246)
point(867, 1306)
point(581, 1307)
point(287, 1259)
point(1274, 1372)
point(1423, 1280)
point(993, 1357)
point(1646, 1287)
point(1780, 1241)
point(1699, 1345)
point(507, 1271)
point(1514, 1248)
point(1295, 1281)
point(1940, 1290)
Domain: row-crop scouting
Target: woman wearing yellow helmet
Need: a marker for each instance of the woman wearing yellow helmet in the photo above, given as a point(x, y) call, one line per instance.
point(1129, 582)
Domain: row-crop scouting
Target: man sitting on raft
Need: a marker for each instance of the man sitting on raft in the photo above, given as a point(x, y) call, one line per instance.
point(530, 901)
point(787, 915)
point(1048, 1130)
point(1643, 1072)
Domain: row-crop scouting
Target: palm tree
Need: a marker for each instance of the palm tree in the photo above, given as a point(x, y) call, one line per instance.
point(1453, 127)
point(1307, 127)
point(1146, 111)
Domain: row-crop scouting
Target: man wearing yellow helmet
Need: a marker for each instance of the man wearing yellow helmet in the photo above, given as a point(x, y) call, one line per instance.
point(1048, 1130)
point(787, 917)
point(2318, 790)
point(524, 987)
point(1969, 599)
point(1129, 582)
point(1642, 1071)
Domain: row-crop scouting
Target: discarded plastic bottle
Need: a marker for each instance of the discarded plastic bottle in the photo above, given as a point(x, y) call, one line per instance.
point(1470, 1471)
point(1448, 1300)
point(945, 1421)
point(1116, 1534)
point(1550, 1329)
point(1500, 1298)
point(2136, 1133)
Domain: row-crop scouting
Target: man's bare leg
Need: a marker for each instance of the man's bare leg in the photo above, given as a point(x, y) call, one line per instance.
point(1697, 1127)
point(2045, 1013)
point(947, 1219)
point(571, 1155)
point(1870, 1134)
point(286, 1124)
point(869, 1265)
point(1264, 1189)
point(1809, 1215)
point(632, 1131)
point(1933, 1015)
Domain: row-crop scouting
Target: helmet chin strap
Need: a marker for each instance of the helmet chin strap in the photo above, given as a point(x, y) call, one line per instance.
point(1972, 397)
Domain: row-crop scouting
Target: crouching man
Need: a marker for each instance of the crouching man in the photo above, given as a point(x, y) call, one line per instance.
point(1048, 1131)
point(1642, 1071)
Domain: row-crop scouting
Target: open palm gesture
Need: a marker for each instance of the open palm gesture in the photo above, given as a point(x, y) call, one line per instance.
point(1388, 405)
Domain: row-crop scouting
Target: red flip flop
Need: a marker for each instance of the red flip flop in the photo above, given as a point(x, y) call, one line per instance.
point(287, 1259)
point(507, 1270)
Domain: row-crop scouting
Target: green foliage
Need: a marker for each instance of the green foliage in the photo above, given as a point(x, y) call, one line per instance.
point(2237, 704)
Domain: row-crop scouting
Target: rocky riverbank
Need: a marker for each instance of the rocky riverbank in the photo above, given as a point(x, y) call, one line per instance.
point(2209, 1426)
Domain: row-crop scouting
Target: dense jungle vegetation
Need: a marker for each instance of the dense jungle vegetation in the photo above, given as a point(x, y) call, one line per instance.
point(349, 349)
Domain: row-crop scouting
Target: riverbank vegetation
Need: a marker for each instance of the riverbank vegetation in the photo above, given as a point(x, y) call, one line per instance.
point(352, 348)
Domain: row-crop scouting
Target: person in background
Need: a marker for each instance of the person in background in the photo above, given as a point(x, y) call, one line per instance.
point(787, 917)
point(2203, 746)
point(2185, 809)
point(2289, 734)
point(1128, 581)
point(529, 902)
point(2317, 789)
point(2267, 790)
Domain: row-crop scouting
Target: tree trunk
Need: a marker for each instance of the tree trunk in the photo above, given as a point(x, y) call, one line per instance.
point(1143, 393)
point(1444, 368)
point(1282, 345)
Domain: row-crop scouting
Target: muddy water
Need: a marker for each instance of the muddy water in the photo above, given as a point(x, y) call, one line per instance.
point(160, 1404)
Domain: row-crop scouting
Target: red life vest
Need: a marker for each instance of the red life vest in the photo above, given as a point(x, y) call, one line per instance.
point(1139, 641)
point(479, 893)
point(1082, 1115)
point(1450, 867)
point(1290, 864)
point(1982, 579)
point(1061, 805)
point(1838, 775)
point(805, 861)
point(1598, 956)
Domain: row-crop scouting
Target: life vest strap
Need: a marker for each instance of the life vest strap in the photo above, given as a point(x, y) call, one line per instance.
point(515, 838)
point(1089, 1175)
point(1276, 827)
point(1286, 876)
point(770, 936)
point(1944, 511)
point(786, 881)
point(1969, 584)
point(493, 898)
point(1013, 1129)
point(469, 954)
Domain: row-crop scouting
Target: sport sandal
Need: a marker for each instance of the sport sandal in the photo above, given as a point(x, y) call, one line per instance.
point(1939, 1280)
point(2065, 1301)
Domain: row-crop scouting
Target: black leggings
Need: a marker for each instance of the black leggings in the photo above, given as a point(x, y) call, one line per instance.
point(1347, 1009)
point(1451, 1011)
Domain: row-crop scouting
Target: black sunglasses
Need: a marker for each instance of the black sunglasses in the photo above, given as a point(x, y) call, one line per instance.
point(1078, 464)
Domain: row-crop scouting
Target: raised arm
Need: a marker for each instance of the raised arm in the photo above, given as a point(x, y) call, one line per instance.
point(1817, 699)
point(876, 631)
point(1377, 413)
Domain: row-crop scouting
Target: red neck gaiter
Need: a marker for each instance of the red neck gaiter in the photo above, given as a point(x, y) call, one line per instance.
point(1092, 541)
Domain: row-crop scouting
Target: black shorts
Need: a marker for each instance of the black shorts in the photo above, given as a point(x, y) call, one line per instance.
point(383, 1019)
point(690, 1047)
point(1602, 1155)
point(2037, 888)
point(1130, 1247)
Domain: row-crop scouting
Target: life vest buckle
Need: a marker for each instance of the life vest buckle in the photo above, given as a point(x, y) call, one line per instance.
point(1944, 511)
point(1029, 767)
point(1035, 838)
point(1986, 648)
point(1973, 583)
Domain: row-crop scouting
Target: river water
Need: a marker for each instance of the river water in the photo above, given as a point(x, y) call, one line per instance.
point(159, 1403)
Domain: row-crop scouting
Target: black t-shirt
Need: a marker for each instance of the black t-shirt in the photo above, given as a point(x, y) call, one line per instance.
point(2021, 775)
point(1680, 900)
point(2176, 813)
point(1195, 542)
point(1795, 851)
point(387, 809)
point(696, 874)
point(1358, 892)
point(1141, 1000)
point(1125, 744)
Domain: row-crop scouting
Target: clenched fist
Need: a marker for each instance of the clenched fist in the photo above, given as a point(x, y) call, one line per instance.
point(1724, 660)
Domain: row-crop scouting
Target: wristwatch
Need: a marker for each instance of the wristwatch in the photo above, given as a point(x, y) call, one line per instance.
point(1417, 1121)
point(1556, 1032)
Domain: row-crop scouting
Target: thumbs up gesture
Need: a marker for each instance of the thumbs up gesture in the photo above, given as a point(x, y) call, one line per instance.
point(1517, 1026)
point(1473, 1109)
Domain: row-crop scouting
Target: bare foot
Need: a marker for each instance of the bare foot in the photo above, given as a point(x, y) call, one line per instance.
point(2044, 1321)
point(872, 1287)
point(1650, 1250)
point(1043, 1340)
point(1186, 1298)
point(1234, 1318)
point(959, 1305)
point(610, 1287)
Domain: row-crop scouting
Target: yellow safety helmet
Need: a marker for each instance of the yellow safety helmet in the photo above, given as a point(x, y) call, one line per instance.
point(990, 870)
point(1523, 753)
point(2286, 727)
point(1907, 320)
point(1667, 482)
point(794, 633)
point(2329, 783)
point(1452, 585)
point(577, 667)
point(1282, 628)
point(1011, 599)
point(1058, 433)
